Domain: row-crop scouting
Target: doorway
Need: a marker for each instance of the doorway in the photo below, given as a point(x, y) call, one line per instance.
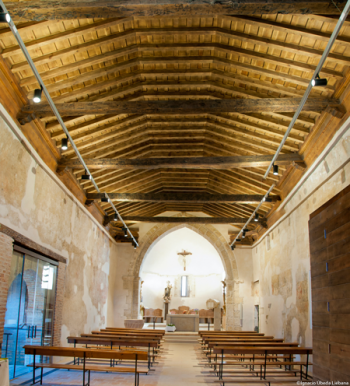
point(29, 309)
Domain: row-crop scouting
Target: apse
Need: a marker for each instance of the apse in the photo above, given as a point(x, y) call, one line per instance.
point(192, 266)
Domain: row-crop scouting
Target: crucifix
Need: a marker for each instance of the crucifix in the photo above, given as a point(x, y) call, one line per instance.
point(184, 254)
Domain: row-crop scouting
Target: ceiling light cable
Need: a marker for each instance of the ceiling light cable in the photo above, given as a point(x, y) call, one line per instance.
point(55, 111)
point(244, 228)
point(309, 87)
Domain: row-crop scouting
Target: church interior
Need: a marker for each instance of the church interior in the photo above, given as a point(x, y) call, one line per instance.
point(174, 192)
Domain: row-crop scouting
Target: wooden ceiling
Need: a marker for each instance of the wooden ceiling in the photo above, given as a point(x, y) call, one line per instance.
point(185, 59)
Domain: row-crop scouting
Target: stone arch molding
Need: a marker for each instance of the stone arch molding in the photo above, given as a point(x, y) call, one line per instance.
point(210, 233)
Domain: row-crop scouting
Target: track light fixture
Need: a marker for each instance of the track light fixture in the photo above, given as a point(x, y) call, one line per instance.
point(4, 17)
point(64, 144)
point(37, 95)
point(125, 230)
point(268, 199)
point(318, 81)
point(104, 199)
point(86, 176)
point(275, 170)
point(256, 218)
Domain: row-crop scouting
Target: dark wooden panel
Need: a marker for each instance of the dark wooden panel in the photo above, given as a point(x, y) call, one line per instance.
point(339, 322)
point(339, 248)
point(321, 359)
point(320, 371)
point(321, 333)
point(320, 346)
point(318, 269)
point(340, 277)
point(319, 294)
point(340, 350)
point(320, 320)
point(340, 306)
point(319, 256)
point(340, 291)
point(320, 281)
point(339, 364)
point(319, 307)
point(340, 336)
point(339, 263)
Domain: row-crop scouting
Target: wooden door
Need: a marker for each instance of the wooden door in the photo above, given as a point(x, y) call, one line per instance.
point(329, 231)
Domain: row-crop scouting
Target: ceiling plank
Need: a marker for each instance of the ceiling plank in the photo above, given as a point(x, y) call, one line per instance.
point(177, 106)
point(177, 197)
point(54, 10)
point(182, 163)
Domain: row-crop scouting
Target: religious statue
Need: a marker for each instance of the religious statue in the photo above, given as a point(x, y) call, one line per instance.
point(184, 254)
point(224, 295)
point(167, 293)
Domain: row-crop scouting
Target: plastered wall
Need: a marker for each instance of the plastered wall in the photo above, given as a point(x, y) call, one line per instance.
point(281, 260)
point(35, 204)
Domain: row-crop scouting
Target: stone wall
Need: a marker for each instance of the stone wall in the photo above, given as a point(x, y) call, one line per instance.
point(35, 204)
point(282, 257)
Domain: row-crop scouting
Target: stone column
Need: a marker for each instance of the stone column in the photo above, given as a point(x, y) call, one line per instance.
point(132, 285)
point(229, 305)
point(60, 284)
point(6, 249)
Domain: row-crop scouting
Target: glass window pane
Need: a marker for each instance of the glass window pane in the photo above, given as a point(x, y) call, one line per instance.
point(183, 285)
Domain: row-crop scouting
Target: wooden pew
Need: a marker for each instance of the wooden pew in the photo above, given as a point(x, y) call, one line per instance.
point(132, 329)
point(127, 333)
point(263, 353)
point(85, 354)
point(119, 342)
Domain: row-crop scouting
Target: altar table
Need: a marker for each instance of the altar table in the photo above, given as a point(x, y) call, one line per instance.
point(185, 322)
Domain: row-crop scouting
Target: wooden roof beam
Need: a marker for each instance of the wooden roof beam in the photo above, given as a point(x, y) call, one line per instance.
point(80, 9)
point(177, 197)
point(179, 220)
point(177, 107)
point(182, 163)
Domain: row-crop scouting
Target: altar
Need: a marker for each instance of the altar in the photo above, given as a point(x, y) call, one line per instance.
point(185, 322)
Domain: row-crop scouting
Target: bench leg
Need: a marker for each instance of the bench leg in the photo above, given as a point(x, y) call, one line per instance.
point(41, 376)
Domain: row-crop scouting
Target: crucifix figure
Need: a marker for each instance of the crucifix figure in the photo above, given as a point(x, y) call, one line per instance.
point(184, 254)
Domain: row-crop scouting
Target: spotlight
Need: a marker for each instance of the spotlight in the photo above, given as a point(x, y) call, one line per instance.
point(37, 95)
point(125, 230)
point(115, 217)
point(64, 144)
point(238, 240)
point(86, 176)
point(4, 17)
point(256, 218)
point(268, 199)
point(232, 247)
point(243, 235)
point(318, 82)
point(275, 170)
point(104, 199)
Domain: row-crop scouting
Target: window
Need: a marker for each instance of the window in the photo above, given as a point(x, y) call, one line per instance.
point(184, 286)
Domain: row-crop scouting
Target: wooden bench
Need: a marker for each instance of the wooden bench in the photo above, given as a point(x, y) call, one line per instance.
point(85, 354)
point(135, 334)
point(132, 329)
point(262, 360)
point(119, 342)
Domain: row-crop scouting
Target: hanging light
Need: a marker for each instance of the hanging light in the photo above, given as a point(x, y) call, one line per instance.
point(64, 144)
point(86, 176)
point(268, 199)
point(275, 170)
point(37, 95)
point(104, 199)
point(125, 230)
point(4, 16)
point(318, 81)
point(256, 218)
